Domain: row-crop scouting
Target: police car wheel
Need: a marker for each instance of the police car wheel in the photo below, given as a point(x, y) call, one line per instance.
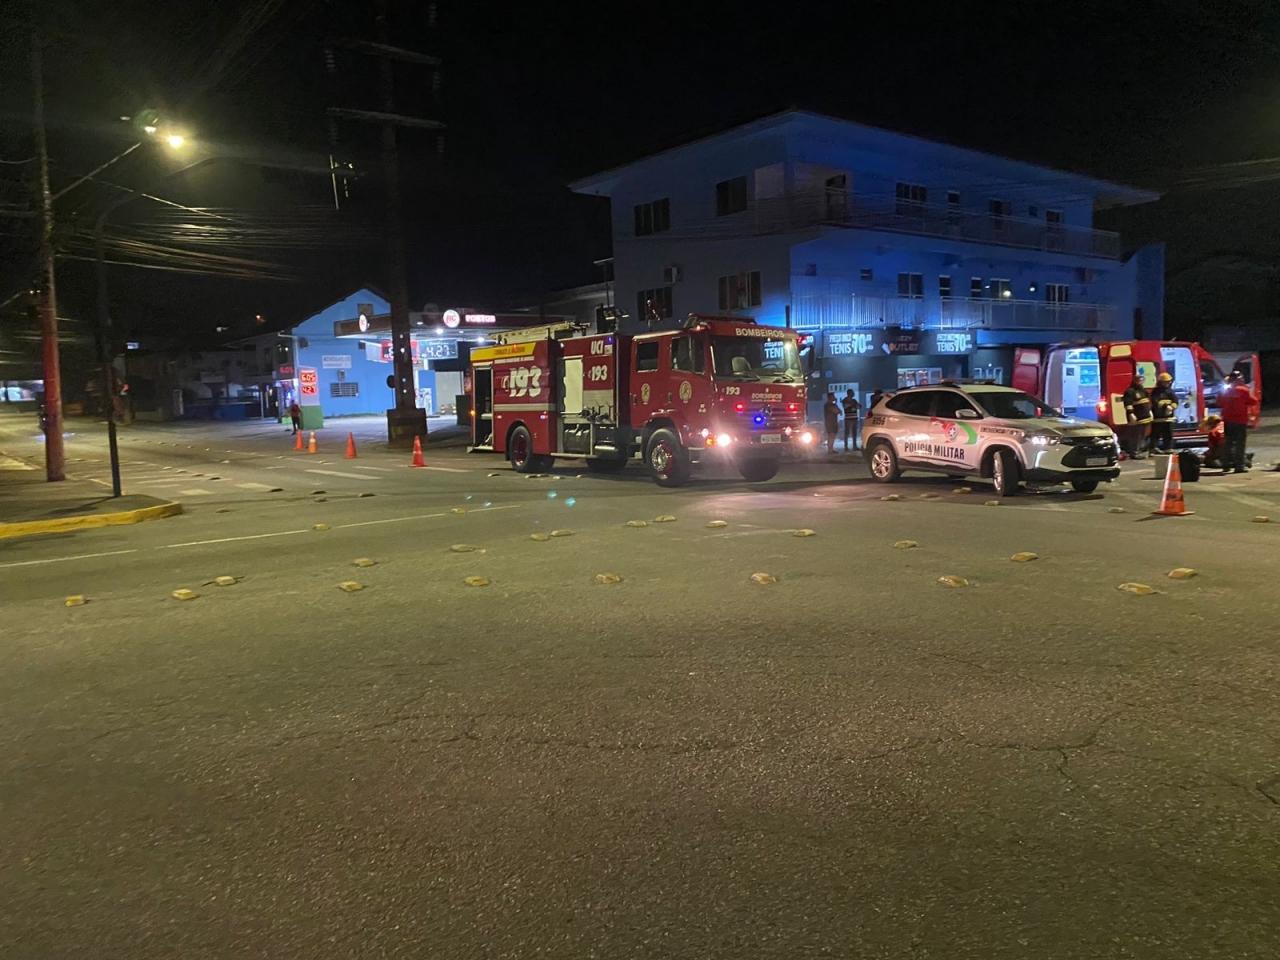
point(1084, 486)
point(884, 463)
point(667, 459)
point(1004, 473)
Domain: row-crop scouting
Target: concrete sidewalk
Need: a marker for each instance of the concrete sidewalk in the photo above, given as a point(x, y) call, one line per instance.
point(31, 506)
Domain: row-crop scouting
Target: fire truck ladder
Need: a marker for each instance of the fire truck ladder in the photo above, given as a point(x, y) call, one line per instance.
point(548, 331)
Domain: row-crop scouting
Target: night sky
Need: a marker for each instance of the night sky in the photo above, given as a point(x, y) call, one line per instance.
point(535, 94)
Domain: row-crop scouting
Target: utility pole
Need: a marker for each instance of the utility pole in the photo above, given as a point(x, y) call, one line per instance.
point(405, 420)
point(47, 304)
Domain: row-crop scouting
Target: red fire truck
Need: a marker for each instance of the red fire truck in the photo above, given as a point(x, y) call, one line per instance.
point(721, 387)
point(1089, 379)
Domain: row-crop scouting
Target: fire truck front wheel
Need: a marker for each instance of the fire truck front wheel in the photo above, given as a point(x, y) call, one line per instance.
point(520, 453)
point(667, 458)
point(758, 469)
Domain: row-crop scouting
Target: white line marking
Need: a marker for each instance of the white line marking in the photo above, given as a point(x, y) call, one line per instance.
point(83, 556)
point(255, 536)
point(195, 492)
point(367, 466)
point(349, 476)
point(445, 469)
point(424, 516)
point(255, 486)
point(1250, 501)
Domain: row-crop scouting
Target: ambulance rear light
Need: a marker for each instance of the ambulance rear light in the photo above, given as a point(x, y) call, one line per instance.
point(1101, 406)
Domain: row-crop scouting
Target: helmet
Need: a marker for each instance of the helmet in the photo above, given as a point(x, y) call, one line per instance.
point(1165, 378)
point(1235, 375)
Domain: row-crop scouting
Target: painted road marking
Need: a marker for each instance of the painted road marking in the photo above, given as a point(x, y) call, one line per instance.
point(83, 556)
point(255, 486)
point(423, 516)
point(254, 536)
point(195, 492)
point(349, 476)
point(8, 463)
point(445, 469)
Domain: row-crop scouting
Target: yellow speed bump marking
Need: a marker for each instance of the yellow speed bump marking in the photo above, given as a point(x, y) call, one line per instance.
point(562, 533)
point(1024, 556)
point(951, 580)
point(991, 503)
point(463, 548)
point(717, 524)
point(1183, 573)
point(459, 510)
point(665, 518)
point(963, 490)
point(1115, 510)
point(905, 544)
point(364, 562)
point(184, 594)
point(1137, 589)
point(891, 498)
point(607, 578)
point(226, 581)
point(1261, 519)
point(319, 526)
point(929, 496)
point(637, 523)
point(75, 600)
point(540, 537)
point(476, 581)
point(763, 578)
point(804, 533)
point(495, 474)
point(350, 586)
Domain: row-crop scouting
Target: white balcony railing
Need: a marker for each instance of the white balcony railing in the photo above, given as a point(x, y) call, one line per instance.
point(839, 209)
point(840, 310)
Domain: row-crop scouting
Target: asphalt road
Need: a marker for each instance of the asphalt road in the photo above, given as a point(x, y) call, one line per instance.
point(851, 761)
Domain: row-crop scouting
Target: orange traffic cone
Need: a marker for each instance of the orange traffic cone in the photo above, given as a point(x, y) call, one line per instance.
point(417, 453)
point(297, 440)
point(351, 446)
point(1172, 504)
point(311, 444)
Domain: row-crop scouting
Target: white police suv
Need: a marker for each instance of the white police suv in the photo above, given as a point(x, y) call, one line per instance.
point(983, 429)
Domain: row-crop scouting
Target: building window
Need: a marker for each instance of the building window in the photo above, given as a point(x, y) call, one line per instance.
point(975, 288)
point(731, 196)
point(1033, 212)
point(953, 198)
point(646, 355)
point(654, 304)
point(1054, 219)
point(910, 197)
point(1057, 292)
point(654, 217)
point(344, 389)
point(1053, 222)
point(944, 285)
point(866, 273)
point(740, 290)
point(953, 207)
point(1001, 210)
point(686, 355)
point(911, 285)
point(1001, 289)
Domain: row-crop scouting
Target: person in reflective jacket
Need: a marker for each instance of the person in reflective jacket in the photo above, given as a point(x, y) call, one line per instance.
point(1164, 409)
point(1137, 410)
point(1234, 403)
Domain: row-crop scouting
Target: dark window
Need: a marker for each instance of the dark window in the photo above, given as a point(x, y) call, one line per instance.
point(1057, 292)
point(949, 404)
point(953, 207)
point(1055, 226)
point(731, 196)
point(944, 285)
point(953, 198)
point(653, 217)
point(915, 403)
point(647, 355)
point(1000, 210)
point(910, 197)
point(654, 304)
point(1001, 289)
point(1033, 212)
point(911, 285)
point(866, 273)
point(1053, 218)
point(740, 290)
point(687, 354)
point(975, 288)
point(344, 389)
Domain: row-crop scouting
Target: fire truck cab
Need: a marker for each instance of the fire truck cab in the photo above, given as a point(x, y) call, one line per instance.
point(721, 387)
point(1089, 379)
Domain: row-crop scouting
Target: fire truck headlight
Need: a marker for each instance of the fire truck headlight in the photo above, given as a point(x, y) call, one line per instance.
point(704, 433)
point(807, 437)
point(723, 439)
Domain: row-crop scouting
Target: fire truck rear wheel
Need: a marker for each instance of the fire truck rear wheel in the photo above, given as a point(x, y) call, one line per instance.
point(667, 458)
point(605, 464)
point(520, 453)
point(758, 469)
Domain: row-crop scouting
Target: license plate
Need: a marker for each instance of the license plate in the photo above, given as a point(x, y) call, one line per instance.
point(770, 438)
point(1095, 461)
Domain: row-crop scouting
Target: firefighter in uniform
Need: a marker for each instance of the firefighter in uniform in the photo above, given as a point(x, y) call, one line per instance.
point(1234, 403)
point(1137, 410)
point(1164, 408)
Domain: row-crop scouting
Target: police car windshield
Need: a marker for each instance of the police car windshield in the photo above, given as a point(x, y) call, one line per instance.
point(756, 358)
point(1013, 405)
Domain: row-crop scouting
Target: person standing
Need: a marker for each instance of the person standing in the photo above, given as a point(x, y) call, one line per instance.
point(295, 414)
point(831, 420)
point(1137, 411)
point(876, 397)
point(851, 408)
point(1164, 408)
point(1234, 405)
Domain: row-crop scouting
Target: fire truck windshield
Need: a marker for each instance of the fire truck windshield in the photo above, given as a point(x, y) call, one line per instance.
point(756, 358)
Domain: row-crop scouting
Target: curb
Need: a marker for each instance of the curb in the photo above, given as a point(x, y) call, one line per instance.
point(32, 528)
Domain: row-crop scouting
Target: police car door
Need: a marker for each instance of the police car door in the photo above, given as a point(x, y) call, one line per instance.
point(954, 431)
point(907, 422)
